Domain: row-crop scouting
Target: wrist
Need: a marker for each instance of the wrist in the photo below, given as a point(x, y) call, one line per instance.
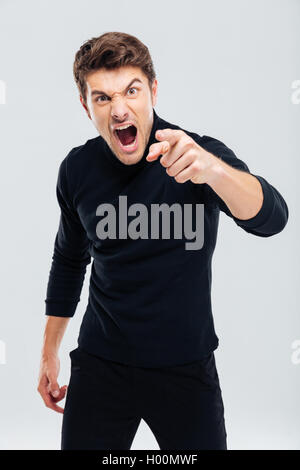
point(49, 353)
point(215, 171)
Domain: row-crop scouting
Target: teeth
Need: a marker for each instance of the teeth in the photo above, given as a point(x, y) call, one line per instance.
point(123, 127)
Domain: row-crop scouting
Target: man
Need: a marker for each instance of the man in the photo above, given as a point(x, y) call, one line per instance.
point(147, 340)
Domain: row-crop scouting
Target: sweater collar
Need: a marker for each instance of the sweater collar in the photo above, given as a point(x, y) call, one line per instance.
point(113, 159)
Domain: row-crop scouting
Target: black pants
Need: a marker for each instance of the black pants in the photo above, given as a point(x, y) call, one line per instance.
point(106, 401)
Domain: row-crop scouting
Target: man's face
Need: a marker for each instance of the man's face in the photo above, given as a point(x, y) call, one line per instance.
point(115, 98)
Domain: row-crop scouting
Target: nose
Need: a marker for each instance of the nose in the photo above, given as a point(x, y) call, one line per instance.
point(119, 111)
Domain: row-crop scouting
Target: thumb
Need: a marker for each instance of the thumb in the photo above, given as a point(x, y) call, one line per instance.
point(54, 387)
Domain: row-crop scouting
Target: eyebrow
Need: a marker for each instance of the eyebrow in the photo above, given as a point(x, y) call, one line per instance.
point(98, 92)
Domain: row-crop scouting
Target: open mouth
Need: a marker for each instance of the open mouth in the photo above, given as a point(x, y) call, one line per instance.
point(127, 138)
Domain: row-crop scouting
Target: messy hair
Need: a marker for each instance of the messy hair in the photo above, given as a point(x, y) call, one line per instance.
point(110, 51)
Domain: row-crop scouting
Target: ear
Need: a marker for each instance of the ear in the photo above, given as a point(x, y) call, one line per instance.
point(154, 92)
point(84, 105)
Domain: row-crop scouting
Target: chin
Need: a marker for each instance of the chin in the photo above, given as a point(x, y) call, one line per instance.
point(129, 160)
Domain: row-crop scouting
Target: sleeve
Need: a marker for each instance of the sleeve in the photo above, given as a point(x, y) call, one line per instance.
point(272, 216)
point(70, 256)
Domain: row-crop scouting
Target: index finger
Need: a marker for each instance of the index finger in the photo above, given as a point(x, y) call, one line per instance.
point(159, 149)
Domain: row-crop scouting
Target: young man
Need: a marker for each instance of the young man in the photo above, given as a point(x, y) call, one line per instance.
point(147, 340)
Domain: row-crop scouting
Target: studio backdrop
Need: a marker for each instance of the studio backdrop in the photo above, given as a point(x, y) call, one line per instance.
point(230, 70)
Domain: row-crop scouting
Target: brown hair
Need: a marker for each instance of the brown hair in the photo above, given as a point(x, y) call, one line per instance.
point(110, 51)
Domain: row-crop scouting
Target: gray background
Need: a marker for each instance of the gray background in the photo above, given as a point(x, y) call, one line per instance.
point(224, 69)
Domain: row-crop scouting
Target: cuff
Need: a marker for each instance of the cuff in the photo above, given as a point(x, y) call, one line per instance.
point(60, 309)
point(265, 211)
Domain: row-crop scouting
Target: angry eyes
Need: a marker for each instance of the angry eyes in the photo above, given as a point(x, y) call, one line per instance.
point(104, 96)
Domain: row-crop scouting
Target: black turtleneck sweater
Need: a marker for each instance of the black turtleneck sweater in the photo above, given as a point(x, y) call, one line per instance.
point(149, 298)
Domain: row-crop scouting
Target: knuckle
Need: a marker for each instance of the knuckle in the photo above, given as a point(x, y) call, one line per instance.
point(189, 144)
point(196, 165)
point(191, 154)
